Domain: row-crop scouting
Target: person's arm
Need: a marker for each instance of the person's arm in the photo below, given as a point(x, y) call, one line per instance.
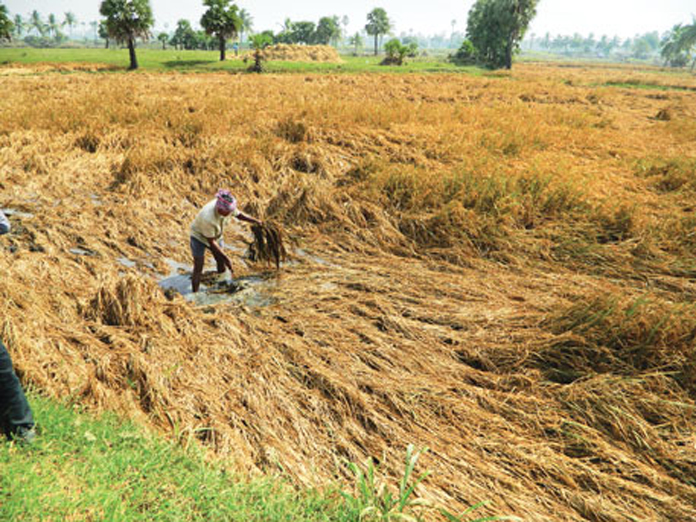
point(244, 217)
point(217, 251)
point(4, 224)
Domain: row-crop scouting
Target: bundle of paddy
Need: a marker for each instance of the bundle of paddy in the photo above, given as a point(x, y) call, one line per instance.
point(267, 245)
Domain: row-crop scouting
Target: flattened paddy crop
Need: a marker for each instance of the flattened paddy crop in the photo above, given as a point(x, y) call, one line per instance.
point(500, 268)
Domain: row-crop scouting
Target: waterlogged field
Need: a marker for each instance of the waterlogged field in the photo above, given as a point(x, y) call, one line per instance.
point(501, 268)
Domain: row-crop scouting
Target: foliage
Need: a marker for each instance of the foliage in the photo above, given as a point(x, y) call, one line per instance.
point(163, 38)
point(396, 52)
point(19, 25)
point(104, 32)
point(184, 36)
point(466, 54)
point(678, 45)
point(127, 20)
point(70, 20)
point(247, 23)
point(221, 20)
point(328, 30)
point(259, 42)
point(374, 501)
point(496, 28)
point(303, 32)
point(378, 23)
point(357, 42)
point(6, 25)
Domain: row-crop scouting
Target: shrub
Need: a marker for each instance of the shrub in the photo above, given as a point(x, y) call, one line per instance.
point(396, 52)
point(465, 55)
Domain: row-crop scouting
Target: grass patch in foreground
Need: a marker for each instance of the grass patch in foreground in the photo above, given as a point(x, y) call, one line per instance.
point(82, 468)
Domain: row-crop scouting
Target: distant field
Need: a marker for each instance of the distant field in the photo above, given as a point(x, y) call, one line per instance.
point(200, 61)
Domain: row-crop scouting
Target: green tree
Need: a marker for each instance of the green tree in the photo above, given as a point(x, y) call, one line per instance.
point(70, 21)
point(184, 36)
point(37, 23)
point(247, 24)
point(259, 42)
point(127, 20)
point(103, 33)
point(19, 25)
point(6, 25)
point(53, 25)
point(163, 38)
point(685, 41)
point(357, 42)
point(328, 30)
point(395, 52)
point(221, 20)
point(303, 32)
point(496, 28)
point(378, 24)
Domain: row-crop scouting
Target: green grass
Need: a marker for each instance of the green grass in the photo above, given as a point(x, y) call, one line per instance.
point(201, 61)
point(86, 468)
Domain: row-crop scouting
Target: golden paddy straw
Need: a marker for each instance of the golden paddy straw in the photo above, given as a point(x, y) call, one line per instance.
point(456, 226)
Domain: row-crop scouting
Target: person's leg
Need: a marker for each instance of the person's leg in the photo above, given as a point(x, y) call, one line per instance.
point(15, 414)
point(198, 263)
point(198, 252)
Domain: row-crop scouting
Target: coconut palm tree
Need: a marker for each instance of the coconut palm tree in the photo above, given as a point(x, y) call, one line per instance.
point(37, 23)
point(19, 25)
point(53, 26)
point(247, 24)
point(70, 21)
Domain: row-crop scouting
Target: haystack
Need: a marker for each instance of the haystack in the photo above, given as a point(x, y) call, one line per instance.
point(300, 53)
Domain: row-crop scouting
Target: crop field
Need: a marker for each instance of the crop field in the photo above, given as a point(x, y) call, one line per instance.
point(499, 267)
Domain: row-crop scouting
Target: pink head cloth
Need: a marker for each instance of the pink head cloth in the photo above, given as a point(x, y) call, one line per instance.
point(225, 201)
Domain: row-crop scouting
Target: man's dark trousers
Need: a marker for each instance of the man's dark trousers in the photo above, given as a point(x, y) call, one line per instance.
point(15, 412)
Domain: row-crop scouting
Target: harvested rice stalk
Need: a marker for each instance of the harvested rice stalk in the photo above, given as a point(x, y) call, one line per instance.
point(267, 245)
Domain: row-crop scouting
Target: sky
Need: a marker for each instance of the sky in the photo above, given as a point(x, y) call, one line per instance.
point(623, 18)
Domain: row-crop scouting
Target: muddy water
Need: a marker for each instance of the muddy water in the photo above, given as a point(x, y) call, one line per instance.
point(252, 290)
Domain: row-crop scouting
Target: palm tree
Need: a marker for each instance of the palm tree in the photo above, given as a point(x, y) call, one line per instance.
point(19, 25)
point(164, 38)
point(37, 23)
point(378, 23)
point(53, 25)
point(259, 42)
point(356, 41)
point(247, 24)
point(95, 29)
point(687, 40)
point(70, 21)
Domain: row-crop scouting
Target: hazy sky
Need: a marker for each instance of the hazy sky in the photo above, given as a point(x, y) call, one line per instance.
point(612, 17)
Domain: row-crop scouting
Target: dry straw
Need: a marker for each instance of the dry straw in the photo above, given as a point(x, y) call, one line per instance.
point(499, 268)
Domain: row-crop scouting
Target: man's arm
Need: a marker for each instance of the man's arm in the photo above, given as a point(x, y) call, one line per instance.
point(244, 217)
point(217, 251)
point(4, 224)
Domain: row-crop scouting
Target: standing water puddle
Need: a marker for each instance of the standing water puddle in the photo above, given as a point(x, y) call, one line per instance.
point(252, 291)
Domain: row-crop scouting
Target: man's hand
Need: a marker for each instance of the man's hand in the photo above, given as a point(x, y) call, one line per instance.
point(228, 262)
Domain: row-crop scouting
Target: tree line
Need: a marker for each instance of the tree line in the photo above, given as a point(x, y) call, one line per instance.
point(674, 47)
point(494, 33)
